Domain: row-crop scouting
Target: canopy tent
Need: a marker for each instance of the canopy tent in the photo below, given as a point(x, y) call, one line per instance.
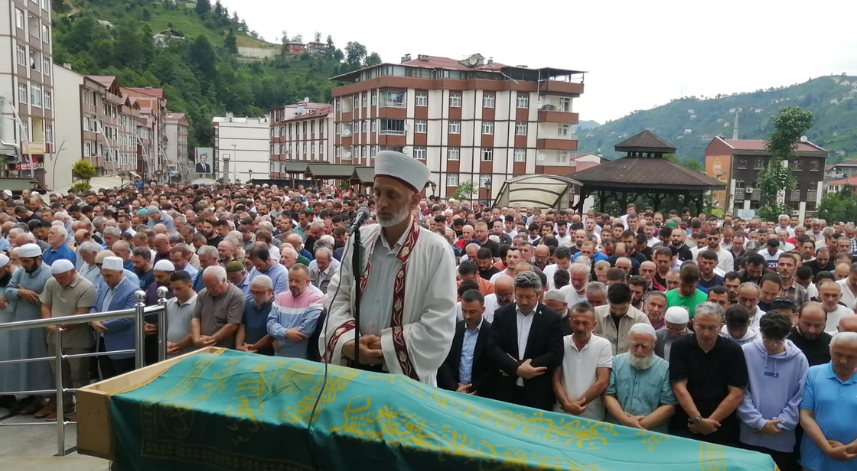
point(537, 191)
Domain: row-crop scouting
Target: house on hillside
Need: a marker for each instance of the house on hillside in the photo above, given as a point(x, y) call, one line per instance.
point(316, 47)
point(737, 163)
point(838, 185)
point(295, 48)
point(164, 37)
point(840, 170)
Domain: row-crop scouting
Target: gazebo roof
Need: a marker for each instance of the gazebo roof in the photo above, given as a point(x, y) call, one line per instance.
point(539, 191)
point(343, 172)
point(646, 141)
point(366, 175)
point(638, 173)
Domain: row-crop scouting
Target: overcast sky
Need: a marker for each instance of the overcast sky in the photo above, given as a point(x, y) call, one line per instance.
point(638, 54)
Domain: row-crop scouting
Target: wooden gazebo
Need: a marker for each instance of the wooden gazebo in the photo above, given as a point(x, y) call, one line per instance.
point(644, 171)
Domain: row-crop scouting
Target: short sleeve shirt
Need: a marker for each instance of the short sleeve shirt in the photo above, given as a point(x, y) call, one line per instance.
point(64, 302)
point(214, 313)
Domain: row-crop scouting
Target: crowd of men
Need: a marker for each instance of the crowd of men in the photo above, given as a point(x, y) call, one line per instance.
point(736, 332)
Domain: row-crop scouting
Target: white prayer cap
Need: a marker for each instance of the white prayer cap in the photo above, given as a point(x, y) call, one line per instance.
point(30, 251)
point(399, 166)
point(677, 315)
point(35, 193)
point(112, 263)
point(643, 329)
point(165, 265)
point(61, 266)
point(556, 295)
point(4, 260)
point(494, 238)
point(7, 192)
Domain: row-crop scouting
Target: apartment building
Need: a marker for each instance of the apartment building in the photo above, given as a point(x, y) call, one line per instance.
point(468, 120)
point(300, 132)
point(176, 134)
point(151, 130)
point(26, 87)
point(97, 124)
point(737, 162)
point(246, 143)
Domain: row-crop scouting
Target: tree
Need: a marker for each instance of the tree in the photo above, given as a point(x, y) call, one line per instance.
point(299, 38)
point(372, 59)
point(839, 206)
point(203, 7)
point(83, 171)
point(330, 42)
point(218, 9)
point(790, 123)
point(127, 48)
point(146, 15)
point(354, 53)
point(317, 37)
point(203, 56)
point(231, 42)
point(465, 190)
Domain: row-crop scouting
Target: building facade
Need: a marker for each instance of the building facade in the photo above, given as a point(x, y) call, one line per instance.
point(151, 130)
point(470, 120)
point(737, 162)
point(300, 132)
point(27, 94)
point(246, 143)
point(176, 134)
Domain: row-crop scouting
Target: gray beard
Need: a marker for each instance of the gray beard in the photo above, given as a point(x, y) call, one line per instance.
point(397, 218)
point(641, 363)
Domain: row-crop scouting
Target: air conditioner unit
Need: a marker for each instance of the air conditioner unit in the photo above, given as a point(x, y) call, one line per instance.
point(795, 212)
point(748, 190)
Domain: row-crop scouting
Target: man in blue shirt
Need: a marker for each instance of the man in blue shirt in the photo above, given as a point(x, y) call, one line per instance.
point(263, 264)
point(828, 409)
point(59, 249)
point(252, 335)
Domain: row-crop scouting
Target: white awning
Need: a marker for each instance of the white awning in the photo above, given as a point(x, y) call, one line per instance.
point(537, 191)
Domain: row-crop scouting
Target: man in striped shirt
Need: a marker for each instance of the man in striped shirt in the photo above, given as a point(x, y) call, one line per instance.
point(294, 315)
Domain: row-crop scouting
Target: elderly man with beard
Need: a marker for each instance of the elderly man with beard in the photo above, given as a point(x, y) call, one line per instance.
point(576, 291)
point(675, 326)
point(556, 300)
point(408, 289)
point(640, 395)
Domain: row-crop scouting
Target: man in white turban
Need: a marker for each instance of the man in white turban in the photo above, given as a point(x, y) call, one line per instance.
point(407, 307)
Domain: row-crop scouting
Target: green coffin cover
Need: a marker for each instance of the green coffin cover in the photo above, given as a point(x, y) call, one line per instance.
point(240, 411)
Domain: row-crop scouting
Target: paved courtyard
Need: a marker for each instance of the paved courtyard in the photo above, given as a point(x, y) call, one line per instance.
point(33, 448)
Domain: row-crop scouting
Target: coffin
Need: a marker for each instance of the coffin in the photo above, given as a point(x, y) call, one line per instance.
point(222, 409)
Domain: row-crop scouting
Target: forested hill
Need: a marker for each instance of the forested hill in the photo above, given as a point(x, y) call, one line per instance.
point(691, 123)
point(202, 74)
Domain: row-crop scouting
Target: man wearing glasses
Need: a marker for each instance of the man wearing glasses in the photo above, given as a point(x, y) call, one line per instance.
point(777, 372)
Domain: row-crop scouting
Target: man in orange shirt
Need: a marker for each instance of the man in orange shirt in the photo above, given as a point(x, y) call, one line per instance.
point(468, 270)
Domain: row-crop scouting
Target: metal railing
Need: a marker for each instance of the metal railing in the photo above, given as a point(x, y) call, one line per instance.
point(139, 313)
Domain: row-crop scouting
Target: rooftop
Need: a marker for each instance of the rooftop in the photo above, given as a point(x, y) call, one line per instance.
point(850, 181)
point(146, 92)
point(645, 141)
point(757, 146)
point(633, 173)
point(104, 80)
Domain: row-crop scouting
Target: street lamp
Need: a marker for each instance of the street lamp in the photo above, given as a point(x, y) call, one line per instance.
point(433, 187)
point(251, 175)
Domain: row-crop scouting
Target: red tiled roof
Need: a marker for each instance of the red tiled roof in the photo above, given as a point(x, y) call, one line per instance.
point(847, 163)
point(581, 166)
point(435, 62)
point(148, 92)
point(759, 145)
point(175, 116)
point(851, 181)
point(104, 80)
point(578, 155)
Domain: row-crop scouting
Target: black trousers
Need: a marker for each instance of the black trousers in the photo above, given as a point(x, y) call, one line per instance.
point(784, 460)
point(111, 367)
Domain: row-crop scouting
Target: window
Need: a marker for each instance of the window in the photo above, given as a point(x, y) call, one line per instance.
point(562, 130)
point(86, 150)
point(814, 166)
point(811, 196)
point(741, 164)
point(420, 126)
point(393, 99)
point(796, 165)
point(36, 94)
point(455, 100)
point(312, 149)
point(22, 93)
point(22, 56)
point(19, 19)
point(421, 99)
point(758, 163)
point(520, 155)
point(356, 102)
point(336, 129)
point(794, 195)
point(364, 126)
point(365, 99)
point(452, 179)
point(46, 34)
point(374, 125)
point(487, 154)
point(453, 153)
point(484, 181)
point(419, 152)
point(49, 102)
point(565, 104)
point(488, 100)
point(488, 127)
point(521, 129)
point(523, 100)
point(455, 127)
point(374, 98)
point(393, 126)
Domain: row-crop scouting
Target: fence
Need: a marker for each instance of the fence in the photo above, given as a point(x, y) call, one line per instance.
point(138, 313)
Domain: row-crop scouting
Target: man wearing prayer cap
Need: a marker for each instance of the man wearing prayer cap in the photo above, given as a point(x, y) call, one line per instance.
point(69, 294)
point(640, 395)
point(99, 261)
point(675, 326)
point(21, 297)
point(407, 310)
point(5, 272)
point(115, 292)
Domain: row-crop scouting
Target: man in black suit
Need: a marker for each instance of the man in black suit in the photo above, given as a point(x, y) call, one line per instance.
point(467, 367)
point(202, 165)
point(526, 344)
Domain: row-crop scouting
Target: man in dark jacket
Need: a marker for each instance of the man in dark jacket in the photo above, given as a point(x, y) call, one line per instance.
point(467, 368)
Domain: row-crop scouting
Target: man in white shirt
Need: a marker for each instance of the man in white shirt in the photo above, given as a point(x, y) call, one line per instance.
point(562, 259)
point(503, 296)
point(748, 296)
point(576, 291)
point(585, 371)
point(725, 260)
point(829, 294)
point(849, 287)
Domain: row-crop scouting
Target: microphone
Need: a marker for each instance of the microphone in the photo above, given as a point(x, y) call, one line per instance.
point(359, 218)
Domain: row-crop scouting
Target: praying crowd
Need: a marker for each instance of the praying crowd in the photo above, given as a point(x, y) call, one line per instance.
point(736, 332)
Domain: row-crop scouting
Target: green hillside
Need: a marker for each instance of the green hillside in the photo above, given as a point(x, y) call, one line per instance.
point(831, 99)
point(202, 74)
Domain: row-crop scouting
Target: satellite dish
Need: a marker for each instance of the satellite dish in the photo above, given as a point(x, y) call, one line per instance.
point(472, 60)
point(346, 132)
point(346, 155)
point(541, 157)
point(803, 139)
point(406, 149)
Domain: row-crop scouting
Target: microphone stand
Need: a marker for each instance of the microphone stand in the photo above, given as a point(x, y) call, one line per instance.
point(356, 254)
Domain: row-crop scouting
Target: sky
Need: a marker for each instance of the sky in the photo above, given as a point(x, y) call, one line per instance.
point(637, 54)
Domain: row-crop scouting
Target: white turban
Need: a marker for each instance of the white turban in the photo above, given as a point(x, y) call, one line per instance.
point(413, 173)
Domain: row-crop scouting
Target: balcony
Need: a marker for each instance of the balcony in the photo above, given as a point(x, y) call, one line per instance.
point(392, 127)
point(557, 144)
point(556, 86)
point(549, 116)
point(393, 100)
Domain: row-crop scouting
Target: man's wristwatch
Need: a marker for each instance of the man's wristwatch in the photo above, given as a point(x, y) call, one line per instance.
point(695, 421)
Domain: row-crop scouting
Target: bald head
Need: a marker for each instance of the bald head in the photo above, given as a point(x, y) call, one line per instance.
point(848, 324)
point(504, 282)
